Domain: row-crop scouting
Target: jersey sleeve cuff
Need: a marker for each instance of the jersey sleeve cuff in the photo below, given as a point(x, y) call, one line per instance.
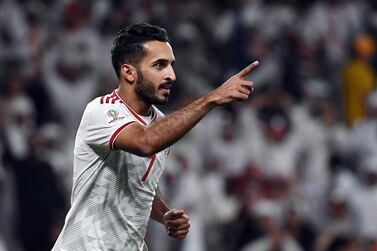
point(117, 133)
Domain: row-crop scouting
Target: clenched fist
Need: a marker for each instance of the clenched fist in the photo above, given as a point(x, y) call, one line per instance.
point(176, 223)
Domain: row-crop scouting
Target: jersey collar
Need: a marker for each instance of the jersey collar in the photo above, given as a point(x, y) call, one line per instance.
point(137, 116)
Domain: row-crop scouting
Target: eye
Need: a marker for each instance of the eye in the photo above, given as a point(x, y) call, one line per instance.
point(160, 65)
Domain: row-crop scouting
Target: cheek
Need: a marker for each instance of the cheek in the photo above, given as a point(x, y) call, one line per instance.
point(154, 84)
point(153, 76)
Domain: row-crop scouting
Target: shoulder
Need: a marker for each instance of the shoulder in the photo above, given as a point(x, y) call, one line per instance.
point(105, 101)
point(108, 108)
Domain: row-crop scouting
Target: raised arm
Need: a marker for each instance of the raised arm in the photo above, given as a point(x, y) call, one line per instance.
point(147, 140)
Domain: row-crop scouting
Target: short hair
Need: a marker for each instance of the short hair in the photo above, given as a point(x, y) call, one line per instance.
point(128, 43)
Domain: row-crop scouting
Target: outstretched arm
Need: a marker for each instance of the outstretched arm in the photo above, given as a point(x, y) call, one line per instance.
point(176, 221)
point(147, 140)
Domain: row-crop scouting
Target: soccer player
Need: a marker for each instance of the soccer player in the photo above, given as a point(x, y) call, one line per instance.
point(122, 144)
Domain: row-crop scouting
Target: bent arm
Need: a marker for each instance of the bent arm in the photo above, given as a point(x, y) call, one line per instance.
point(148, 140)
point(159, 207)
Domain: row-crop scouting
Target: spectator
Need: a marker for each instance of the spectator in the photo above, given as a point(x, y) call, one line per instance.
point(275, 238)
point(40, 203)
point(70, 67)
point(366, 219)
point(358, 79)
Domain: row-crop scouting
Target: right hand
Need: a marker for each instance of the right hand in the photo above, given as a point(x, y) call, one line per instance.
point(237, 88)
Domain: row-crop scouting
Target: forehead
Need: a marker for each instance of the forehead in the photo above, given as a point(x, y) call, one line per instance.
point(156, 50)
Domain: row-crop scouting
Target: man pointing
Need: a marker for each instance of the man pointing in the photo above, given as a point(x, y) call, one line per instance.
point(122, 144)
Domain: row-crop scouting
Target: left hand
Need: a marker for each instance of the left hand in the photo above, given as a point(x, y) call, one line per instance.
point(176, 223)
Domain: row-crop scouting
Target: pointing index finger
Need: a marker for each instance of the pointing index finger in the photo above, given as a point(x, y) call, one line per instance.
point(248, 69)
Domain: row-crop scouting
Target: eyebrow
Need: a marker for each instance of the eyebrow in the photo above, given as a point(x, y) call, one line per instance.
point(163, 61)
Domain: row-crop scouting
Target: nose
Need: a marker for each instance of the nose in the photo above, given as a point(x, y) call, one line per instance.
point(170, 74)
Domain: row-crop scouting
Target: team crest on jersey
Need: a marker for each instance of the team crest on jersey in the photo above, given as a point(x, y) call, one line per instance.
point(113, 115)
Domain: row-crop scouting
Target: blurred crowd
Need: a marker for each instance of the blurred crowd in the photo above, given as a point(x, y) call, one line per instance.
point(295, 168)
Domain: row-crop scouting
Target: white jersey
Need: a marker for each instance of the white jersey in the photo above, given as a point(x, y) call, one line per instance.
point(113, 190)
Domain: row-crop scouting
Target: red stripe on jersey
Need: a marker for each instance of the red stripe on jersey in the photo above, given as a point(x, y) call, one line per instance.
point(114, 99)
point(113, 94)
point(107, 99)
point(116, 134)
point(153, 158)
point(136, 115)
point(129, 108)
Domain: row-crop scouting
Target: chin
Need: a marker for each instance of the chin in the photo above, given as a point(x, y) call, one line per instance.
point(161, 102)
point(158, 100)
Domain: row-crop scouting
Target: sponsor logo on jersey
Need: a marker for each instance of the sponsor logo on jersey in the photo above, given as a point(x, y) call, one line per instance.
point(113, 115)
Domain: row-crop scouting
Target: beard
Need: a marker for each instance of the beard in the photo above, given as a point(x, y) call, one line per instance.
point(146, 90)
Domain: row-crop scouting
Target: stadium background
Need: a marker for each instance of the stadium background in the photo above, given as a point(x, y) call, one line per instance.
point(294, 168)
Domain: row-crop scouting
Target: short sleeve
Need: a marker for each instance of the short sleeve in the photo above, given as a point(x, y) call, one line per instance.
point(105, 122)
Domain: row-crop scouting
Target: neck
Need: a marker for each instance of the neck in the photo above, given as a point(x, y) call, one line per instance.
point(136, 103)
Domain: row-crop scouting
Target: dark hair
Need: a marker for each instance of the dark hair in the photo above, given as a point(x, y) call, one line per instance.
point(128, 43)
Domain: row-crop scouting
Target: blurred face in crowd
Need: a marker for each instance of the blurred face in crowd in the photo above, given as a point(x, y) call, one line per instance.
point(372, 178)
point(276, 128)
point(155, 73)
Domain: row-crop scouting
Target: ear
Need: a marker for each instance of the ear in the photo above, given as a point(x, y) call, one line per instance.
point(128, 72)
